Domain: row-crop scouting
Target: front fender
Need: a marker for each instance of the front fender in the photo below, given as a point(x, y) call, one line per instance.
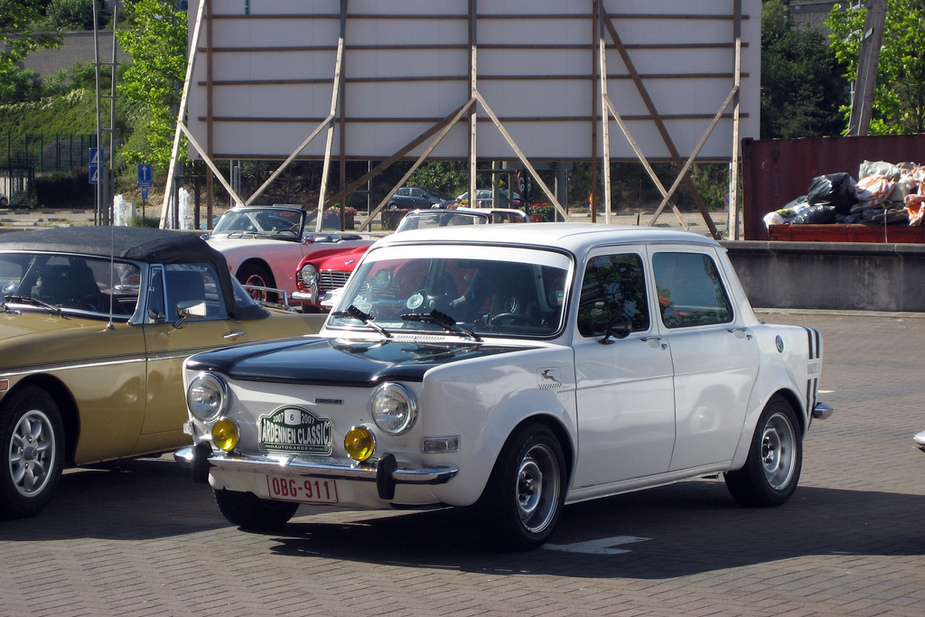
point(483, 401)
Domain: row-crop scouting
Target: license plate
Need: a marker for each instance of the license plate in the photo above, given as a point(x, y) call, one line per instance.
point(303, 490)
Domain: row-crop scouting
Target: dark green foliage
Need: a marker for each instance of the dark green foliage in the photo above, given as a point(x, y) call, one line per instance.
point(73, 14)
point(802, 83)
point(63, 188)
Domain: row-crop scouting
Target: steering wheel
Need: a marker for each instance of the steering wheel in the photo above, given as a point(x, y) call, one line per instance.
point(514, 319)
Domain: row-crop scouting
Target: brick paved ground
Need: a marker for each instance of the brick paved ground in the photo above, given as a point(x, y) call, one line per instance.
point(138, 538)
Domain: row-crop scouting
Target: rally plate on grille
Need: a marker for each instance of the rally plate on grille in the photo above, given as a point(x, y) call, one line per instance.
point(294, 429)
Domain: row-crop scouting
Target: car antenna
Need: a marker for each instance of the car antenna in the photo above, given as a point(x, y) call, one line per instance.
point(112, 265)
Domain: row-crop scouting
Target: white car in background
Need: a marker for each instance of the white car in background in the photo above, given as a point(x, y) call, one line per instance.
point(264, 245)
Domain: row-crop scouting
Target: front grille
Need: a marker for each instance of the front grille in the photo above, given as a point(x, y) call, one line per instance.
point(332, 280)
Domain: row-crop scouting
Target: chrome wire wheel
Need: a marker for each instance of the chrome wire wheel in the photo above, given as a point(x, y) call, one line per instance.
point(538, 487)
point(778, 451)
point(32, 453)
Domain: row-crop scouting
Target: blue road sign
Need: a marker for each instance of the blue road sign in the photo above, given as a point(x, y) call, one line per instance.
point(144, 175)
point(97, 164)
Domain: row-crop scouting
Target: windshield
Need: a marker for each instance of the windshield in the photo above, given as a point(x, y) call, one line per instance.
point(503, 292)
point(425, 219)
point(44, 281)
point(285, 223)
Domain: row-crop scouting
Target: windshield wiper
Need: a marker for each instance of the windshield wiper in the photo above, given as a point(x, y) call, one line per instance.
point(34, 302)
point(366, 318)
point(443, 320)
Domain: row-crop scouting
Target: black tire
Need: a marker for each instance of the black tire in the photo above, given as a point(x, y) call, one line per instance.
point(526, 491)
point(248, 511)
point(32, 441)
point(259, 275)
point(775, 459)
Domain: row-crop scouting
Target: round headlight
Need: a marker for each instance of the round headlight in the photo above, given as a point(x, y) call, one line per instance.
point(394, 409)
point(206, 397)
point(359, 443)
point(225, 434)
point(308, 276)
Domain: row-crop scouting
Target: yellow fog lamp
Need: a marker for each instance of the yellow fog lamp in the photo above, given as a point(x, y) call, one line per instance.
point(225, 434)
point(359, 443)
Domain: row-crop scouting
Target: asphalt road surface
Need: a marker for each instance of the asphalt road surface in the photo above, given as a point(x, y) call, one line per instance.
point(138, 538)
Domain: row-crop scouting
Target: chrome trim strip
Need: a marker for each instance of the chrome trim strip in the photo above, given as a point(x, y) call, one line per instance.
point(307, 467)
point(44, 368)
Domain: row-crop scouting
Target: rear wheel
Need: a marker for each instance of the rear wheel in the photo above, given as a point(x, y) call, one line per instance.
point(525, 493)
point(248, 511)
point(32, 438)
point(775, 459)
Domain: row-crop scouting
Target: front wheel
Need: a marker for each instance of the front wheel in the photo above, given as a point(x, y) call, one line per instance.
point(248, 511)
point(32, 437)
point(775, 459)
point(257, 275)
point(526, 491)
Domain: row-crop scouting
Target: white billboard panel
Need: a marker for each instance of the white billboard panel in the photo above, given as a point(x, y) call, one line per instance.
point(269, 73)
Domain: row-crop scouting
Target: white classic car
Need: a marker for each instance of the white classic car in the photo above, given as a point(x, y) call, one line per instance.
point(264, 245)
point(513, 368)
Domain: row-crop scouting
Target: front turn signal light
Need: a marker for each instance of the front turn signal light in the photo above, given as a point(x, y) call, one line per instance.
point(225, 434)
point(359, 443)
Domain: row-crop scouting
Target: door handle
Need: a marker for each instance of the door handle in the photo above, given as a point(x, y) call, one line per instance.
point(740, 331)
point(234, 334)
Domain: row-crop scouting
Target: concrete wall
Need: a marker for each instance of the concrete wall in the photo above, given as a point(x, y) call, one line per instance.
point(829, 275)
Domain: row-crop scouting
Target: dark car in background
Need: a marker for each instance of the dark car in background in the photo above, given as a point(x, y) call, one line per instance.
point(411, 197)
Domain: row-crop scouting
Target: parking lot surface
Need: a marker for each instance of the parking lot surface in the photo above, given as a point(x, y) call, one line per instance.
point(138, 538)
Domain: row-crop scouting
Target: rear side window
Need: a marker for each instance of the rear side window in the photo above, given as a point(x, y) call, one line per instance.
point(690, 290)
point(613, 285)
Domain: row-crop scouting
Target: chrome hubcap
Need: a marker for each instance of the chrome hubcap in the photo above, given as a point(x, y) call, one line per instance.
point(778, 451)
point(538, 488)
point(32, 453)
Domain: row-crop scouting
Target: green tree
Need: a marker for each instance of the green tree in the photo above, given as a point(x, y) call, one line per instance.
point(18, 37)
point(73, 14)
point(899, 98)
point(802, 88)
point(156, 42)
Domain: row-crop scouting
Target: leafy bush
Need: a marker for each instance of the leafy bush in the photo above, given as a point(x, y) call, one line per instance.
point(73, 14)
point(62, 188)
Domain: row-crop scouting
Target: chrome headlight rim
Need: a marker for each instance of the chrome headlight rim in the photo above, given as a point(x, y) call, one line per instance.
point(393, 408)
point(308, 276)
point(207, 409)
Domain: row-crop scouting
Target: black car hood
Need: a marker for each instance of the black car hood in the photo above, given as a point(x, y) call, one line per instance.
point(337, 361)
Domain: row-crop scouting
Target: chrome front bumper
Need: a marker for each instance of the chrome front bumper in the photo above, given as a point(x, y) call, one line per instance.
point(384, 471)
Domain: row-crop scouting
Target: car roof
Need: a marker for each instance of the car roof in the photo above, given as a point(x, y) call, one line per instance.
point(136, 243)
point(574, 237)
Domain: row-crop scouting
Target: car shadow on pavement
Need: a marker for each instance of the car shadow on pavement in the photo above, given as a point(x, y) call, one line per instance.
point(132, 499)
point(682, 529)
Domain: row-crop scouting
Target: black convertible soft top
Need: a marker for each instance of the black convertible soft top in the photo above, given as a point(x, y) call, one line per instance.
point(145, 244)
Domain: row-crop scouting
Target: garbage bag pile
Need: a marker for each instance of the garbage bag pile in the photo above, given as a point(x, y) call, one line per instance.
point(890, 193)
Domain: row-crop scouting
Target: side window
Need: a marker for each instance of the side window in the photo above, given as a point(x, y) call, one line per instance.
point(690, 290)
point(613, 285)
point(194, 283)
point(157, 305)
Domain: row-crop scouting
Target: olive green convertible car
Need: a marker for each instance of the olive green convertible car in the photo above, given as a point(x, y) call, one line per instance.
point(94, 327)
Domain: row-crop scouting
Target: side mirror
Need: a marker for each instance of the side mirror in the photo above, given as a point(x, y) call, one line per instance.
point(618, 328)
point(187, 309)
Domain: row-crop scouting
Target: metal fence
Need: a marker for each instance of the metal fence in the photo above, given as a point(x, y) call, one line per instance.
point(45, 153)
point(23, 155)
